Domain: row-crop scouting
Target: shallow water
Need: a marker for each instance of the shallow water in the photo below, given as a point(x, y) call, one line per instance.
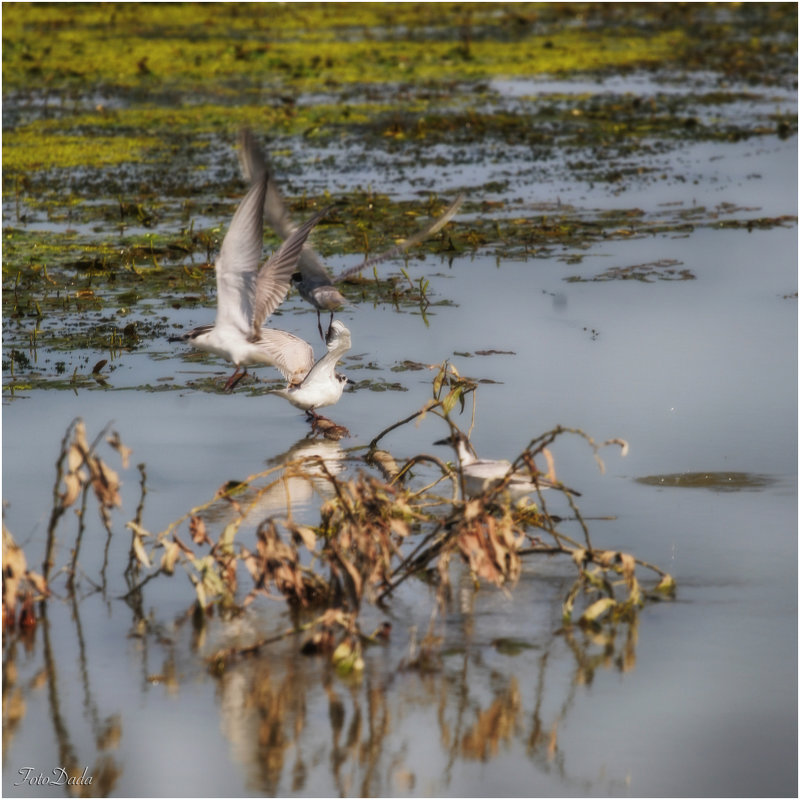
point(699, 375)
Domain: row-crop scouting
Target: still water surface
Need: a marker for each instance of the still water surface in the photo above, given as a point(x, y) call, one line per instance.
point(699, 375)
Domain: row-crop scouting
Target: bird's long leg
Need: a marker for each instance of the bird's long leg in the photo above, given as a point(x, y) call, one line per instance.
point(330, 325)
point(234, 379)
point(319, 325)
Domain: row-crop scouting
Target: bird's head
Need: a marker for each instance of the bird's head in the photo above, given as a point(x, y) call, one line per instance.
point(459, 442)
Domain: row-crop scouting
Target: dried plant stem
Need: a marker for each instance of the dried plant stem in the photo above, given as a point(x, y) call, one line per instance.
point(58, 507)
point(107, 548)
point(203, 506)
point(142, 492)
point(429, 407)
point(421, 561)
point(139, 586)
point(78, 538)
point(252, 649)
point(446, 473)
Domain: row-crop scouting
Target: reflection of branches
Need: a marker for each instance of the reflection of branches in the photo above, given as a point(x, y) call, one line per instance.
point(480, 710)
point(263, 715)
point(373, 534)
point(66, 752)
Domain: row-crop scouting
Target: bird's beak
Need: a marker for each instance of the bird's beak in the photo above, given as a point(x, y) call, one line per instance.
point(443, 441)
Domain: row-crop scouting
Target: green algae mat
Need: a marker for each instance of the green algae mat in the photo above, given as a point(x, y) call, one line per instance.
point(119, 124)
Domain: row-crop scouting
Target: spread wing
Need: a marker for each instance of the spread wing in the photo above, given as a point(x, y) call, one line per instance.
point(435, 226)
point(254, 164)
point(278, 219)
point(251, 159)
point(275, 276)
point(293, 356)
point(239, 257)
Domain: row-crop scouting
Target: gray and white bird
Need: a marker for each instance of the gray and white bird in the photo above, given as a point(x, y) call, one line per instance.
point(246, 296)
point(322, 386)
point(312, 280)
point(481, 474)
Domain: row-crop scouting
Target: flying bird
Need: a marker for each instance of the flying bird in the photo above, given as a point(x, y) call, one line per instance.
point(247, 296)
point(312, 280)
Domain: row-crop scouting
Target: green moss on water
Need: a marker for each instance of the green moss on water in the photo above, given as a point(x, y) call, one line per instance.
point(136, 46)
point(119, 177)
point(141, 46)
point(28, 149)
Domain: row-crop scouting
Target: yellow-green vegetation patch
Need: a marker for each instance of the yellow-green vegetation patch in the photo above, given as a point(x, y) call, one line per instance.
point(132, 45)
point(28, 149)
point(106, 138)
point(120, 174)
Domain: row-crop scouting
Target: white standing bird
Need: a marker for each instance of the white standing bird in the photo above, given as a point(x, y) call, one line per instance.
point(246, 296)
point(482, 474)
point(312, 280)
point(322, 386)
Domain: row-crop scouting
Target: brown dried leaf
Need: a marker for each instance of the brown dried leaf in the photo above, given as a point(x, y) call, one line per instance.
point(472, 509)
point(399, 527)
point(73, 482)
point(385, 462)
point(358, 583)
point(139, 551)
point(105, 483)
point(306, 534)
point(14, 566)
point(438, 380)
point(171, 552)
point(474, 547)
point(197, 529)
point(551, 464)
point(228, 574)
point(124, 452)
point(628, 564)
point(605, 558)
point(75, 457)
point(579, 556)
point(598, 609)
point(79, 437)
